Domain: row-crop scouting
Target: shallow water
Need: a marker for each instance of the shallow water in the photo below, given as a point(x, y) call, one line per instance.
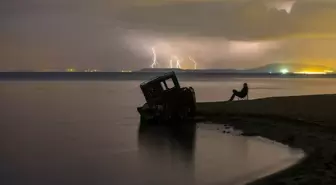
point(88, 133)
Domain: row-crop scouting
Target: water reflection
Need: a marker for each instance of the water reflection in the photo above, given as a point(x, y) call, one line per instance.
point(168, 152)
point(182, 154)
point(104, 146)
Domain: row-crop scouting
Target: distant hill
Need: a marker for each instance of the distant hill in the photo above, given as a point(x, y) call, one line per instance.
point(188, 70)
point(160, 69)
point(273, 68)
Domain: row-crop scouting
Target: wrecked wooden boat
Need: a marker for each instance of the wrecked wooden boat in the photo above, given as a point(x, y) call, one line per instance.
point(166, 100)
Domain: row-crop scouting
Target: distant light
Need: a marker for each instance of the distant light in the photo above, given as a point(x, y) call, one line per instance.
point(126, 71)
point(284, 71)
point(311, 72)
point(328, 71)
point(91, 70)
point(70, 70)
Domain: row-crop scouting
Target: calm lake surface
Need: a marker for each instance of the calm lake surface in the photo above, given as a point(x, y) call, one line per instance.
point(87, 132)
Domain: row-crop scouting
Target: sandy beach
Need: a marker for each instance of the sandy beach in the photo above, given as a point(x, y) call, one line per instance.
point(305, 122)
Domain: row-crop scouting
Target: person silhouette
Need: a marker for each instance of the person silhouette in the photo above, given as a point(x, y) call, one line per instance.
point(241, 94)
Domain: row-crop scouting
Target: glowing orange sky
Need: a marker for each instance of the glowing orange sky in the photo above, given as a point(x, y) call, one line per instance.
point(113, 35)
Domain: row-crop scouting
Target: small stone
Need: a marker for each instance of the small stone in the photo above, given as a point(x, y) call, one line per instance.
point(291, 139)
point(297, 178)
point(249, 134)
point(320, 172)
point(328, 165)
point(279, 183)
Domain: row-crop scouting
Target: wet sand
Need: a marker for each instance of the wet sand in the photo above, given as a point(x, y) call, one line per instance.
point(305, 122)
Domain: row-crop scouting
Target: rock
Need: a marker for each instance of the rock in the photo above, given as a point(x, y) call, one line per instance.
point(297, 178)
point(249, 134)
point(328, 165)
point(279, 183)
point(289, 139)
point(320, 172)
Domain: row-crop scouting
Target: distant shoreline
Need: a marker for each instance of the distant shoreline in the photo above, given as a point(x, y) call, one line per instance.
point(146, 75)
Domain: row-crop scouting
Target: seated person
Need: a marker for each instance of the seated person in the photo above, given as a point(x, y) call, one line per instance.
point(241, 94)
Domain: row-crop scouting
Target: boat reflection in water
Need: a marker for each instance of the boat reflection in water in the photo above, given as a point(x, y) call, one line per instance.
point(167, 152)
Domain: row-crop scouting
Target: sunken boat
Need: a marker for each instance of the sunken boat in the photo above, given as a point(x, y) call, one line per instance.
point(166, 100)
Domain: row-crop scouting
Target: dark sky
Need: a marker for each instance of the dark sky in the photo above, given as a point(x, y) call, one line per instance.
point(115, 35)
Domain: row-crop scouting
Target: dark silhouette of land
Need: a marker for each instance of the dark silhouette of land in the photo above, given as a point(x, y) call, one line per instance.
point(267, 71)
point(146, 75)
point(306, 122)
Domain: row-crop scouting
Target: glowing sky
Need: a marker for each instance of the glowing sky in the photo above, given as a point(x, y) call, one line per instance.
point(115, 35)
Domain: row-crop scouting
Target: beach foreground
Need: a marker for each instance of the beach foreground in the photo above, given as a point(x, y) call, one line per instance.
point(305, 122)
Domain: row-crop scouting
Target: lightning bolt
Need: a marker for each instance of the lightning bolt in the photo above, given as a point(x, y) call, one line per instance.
point(155, 63)
point(286, 6)
point(195, 64)
point(171, 63)
point(173, 59)
point(178, 64)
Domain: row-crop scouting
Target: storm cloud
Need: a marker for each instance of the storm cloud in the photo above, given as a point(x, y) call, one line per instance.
point(115, 35)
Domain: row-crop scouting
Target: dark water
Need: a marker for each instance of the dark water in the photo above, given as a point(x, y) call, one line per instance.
point(89, 133)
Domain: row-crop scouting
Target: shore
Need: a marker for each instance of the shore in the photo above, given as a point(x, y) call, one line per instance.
point(305, 122)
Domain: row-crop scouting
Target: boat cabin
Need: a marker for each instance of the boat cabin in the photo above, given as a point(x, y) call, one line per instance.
point(153, 90)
